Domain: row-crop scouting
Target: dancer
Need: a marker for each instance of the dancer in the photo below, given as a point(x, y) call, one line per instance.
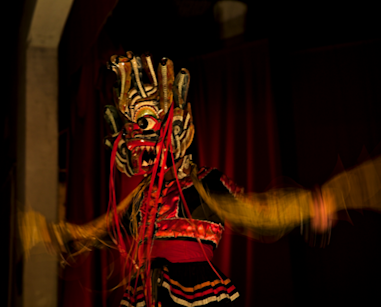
point(174, 232)
point(167, 229)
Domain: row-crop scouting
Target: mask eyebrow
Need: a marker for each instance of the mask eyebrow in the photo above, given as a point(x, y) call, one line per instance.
point(146, 110)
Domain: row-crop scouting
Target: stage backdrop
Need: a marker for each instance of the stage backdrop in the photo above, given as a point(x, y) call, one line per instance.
point(326, 104)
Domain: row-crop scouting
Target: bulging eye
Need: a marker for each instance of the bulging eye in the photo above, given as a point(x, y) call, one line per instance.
point(146, 123)
point(143, 123)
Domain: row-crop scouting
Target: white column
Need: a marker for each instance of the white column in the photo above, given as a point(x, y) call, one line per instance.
point(41, 168)
point(38, 161)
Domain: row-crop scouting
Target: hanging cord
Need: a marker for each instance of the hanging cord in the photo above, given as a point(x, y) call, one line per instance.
point(116, 234)
point(190, 219)
point(164, 134)
point(167, 141)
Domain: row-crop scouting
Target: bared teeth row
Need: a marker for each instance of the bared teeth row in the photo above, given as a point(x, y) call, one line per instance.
point(138, 149)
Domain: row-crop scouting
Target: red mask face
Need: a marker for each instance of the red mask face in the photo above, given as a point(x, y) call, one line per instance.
point(145, 107)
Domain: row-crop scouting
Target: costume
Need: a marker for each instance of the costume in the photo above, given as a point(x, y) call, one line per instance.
point(185, 277)
point(167, 220)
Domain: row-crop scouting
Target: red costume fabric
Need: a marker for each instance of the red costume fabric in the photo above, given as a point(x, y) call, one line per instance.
point(185, 277)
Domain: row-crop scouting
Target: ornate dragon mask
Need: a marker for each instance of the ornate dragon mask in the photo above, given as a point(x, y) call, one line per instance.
point(145, 99)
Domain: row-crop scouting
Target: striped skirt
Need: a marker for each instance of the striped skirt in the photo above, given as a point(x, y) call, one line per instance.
point(183, 284)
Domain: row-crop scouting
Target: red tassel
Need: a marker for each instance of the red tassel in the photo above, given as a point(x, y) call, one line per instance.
point(116, 234)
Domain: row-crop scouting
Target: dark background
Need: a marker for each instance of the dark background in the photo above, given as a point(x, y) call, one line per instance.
point(297, 95)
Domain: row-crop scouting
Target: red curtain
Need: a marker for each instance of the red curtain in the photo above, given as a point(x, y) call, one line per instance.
point(84, 50)
point(336, 103)
point(333, 101)
point(236, 132)
point(91, 278)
